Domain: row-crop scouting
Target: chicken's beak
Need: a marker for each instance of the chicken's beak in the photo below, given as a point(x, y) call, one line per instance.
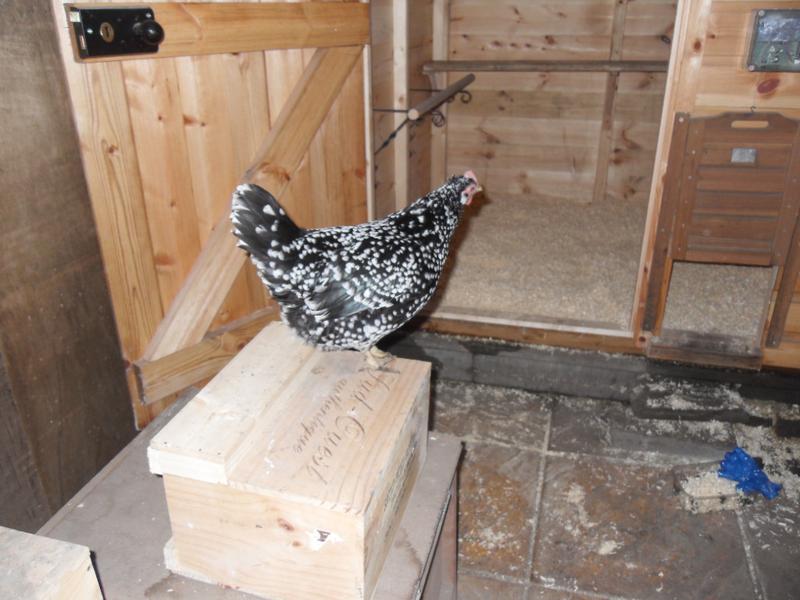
point(472, 189)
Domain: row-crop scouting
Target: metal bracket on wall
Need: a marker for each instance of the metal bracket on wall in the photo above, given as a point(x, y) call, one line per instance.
point(114, 31)
point(429, 106)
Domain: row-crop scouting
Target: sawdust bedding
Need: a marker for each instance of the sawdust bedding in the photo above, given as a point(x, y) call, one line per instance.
point(538, 258)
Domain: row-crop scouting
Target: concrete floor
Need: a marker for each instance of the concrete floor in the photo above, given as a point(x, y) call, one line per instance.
point(573, 498)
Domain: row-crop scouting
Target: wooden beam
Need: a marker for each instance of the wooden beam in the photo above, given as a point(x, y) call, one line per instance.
point(171, 374)
point(684, 67)
point(195, 306)
point(788, 283)
point(441, 36)
point(660, 267)
point(216, 28)
point(598, 66)
point(517, 331)
point(400, 100)
point(607, 122)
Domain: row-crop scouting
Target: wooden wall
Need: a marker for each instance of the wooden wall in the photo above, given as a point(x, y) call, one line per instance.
point(164, 143)
point(383, 97)
point(63, 397)
point(708, 76)
point(402, 41)
point(539, 134)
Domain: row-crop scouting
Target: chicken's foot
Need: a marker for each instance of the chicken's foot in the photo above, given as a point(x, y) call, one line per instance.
point(377, 359)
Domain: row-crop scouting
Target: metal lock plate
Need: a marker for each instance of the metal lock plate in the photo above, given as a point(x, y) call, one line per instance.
point(114, 31)
point(744, 156)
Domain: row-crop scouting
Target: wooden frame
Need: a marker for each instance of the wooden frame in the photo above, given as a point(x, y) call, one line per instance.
point(169, 350)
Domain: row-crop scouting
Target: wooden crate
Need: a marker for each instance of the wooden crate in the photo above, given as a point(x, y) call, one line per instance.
point(39, 568)
point(286, 474)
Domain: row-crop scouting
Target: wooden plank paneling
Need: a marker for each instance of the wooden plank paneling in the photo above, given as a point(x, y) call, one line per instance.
point(225, 116)
point(158, 125)
point(529, 133)
point(279, 156)
point(209, 28)
point(112, 174)
point(508, 30)
point(190, 127)
point(610, 97)
point(526, 131)
point(420, 51)
point(382, 49)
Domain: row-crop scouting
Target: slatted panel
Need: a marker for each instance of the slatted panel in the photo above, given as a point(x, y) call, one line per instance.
point(731, 212)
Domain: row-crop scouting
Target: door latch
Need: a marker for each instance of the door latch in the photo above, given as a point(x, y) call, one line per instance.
point(114, 31)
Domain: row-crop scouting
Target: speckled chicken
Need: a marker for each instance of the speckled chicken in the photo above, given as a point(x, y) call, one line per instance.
point(348, 287)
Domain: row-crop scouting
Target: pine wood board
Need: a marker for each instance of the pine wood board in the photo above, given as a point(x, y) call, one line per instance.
point(440, 19)
point(158, 126)
point(515, 19)
point(100, 111)
point(552, 47)
point(178, 371)
point(383, 123)
point(39, 568)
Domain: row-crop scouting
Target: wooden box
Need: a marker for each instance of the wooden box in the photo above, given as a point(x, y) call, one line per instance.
point(286, 475)
point(40, 568)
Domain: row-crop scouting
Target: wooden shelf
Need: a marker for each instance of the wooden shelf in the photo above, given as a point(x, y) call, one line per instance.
point(600, 66)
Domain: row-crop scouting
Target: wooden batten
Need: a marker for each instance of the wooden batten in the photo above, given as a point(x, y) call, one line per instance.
point(214, 28)
point(315, 451)
point(159, 378)
point(39, 568)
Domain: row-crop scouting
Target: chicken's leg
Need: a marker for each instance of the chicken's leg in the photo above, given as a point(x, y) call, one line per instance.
point(377, 359)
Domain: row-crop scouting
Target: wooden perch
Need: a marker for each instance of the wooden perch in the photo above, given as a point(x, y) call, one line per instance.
point(600, 66)
point(220, 261)
point(439, 97)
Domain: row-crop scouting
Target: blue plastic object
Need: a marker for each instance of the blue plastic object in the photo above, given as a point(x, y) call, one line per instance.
point(739, 466)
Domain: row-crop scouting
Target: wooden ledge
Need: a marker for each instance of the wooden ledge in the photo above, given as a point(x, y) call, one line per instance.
point(599, 66)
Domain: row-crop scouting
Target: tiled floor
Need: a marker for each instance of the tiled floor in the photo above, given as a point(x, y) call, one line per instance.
point(576, 499)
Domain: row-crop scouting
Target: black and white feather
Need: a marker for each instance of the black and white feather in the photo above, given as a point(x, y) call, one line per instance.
point(347, 287)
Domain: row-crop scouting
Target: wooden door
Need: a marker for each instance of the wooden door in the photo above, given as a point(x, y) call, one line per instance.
point(274, 90)
point(731, 196)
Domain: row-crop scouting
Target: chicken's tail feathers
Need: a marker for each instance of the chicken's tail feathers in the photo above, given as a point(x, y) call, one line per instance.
point(265, 231)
